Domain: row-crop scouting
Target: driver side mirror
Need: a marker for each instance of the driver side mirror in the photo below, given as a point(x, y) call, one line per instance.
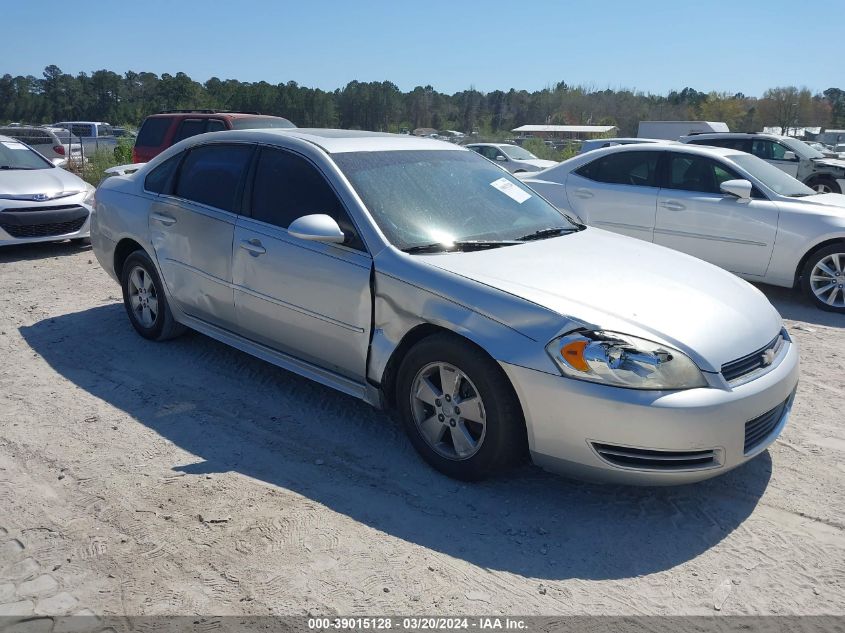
point(740, 188)
point(791, 156)
point(501, 158)
point(317, 227)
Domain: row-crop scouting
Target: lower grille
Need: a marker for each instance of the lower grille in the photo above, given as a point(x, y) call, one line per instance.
point(648, 459)
point(43, 230)
point(760, 428)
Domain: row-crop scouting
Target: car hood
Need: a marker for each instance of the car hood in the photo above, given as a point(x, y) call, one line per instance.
point(830, 162)
point(617, 283)
point(827, 199)
point(538, 163)
point(26, 182)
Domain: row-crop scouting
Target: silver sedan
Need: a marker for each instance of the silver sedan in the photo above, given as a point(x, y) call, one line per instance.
point(417, 276)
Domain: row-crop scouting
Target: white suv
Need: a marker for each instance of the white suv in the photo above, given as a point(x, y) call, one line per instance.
point(796, 158)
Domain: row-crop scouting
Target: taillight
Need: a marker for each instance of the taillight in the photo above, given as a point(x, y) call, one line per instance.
point(135, 156)
point(59, 149)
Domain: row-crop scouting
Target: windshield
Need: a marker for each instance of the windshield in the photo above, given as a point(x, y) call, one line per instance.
point(772, 177)
point(257, 123)
point(16, 155)
point(517, 153)
point(801, 148)
point(441, 196)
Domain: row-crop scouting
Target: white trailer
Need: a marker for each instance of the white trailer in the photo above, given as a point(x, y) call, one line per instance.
point(674, 130)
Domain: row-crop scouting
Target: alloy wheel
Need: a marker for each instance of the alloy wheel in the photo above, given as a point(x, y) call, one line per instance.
point(143, 297)
point(448, 411)
point(827, 280)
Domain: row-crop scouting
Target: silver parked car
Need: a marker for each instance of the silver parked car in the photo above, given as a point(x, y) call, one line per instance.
point(40, 202)
point(52, 143)
point(416, 275)
point(513, 158)
point(725, 206)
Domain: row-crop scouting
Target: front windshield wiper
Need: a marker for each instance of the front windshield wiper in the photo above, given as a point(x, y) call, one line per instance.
point(552, 231)
point(803, 195)
point(460, 245)
point(9, 167)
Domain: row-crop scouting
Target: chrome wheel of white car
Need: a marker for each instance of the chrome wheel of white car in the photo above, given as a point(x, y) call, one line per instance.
point(142, 296)
point(827, 280)
point(823, 278)
point(448, 411)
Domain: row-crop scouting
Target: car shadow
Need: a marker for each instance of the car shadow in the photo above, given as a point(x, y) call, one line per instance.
point(239, 414)
point(793, 306)
point(40, 250)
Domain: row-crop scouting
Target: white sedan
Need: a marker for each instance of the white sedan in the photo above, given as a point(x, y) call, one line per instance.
point(723, 206)
point(512, 158)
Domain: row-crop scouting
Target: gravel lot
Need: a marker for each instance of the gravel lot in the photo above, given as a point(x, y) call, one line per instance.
point(189, 478)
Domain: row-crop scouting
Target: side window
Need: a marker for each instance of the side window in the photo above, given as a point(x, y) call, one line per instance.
point(623, 168)
point(769, 150)
point(215, 125)
point(159, 180)
point(213, 175)
point(189, 128)
point(689, 172)
point(286, 187)
point(152, 132)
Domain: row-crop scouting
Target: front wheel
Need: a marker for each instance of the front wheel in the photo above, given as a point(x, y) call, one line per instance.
point(824, 184)
point(459, 408)
point(145, 301)
point(823, 278)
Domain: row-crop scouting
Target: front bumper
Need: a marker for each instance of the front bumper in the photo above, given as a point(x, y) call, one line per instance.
point(44, 223)
point(697, 433)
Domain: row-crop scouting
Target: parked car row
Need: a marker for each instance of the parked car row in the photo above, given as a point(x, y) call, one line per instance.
point(418, 276)
point(497, 315)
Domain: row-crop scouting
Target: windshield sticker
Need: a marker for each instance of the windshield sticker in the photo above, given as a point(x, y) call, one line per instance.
point(510, 190)
point(13, 145)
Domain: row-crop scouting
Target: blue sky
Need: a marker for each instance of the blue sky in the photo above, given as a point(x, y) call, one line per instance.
point(653, 46)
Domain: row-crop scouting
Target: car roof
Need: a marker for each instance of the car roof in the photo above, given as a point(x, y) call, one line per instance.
point(199, 114)
point(732, 135)
point(662, 146)
point(337, 141)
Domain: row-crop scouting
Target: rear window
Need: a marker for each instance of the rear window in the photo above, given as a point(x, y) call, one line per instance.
point(152, 132)
point(257, 123)
point(29, 136)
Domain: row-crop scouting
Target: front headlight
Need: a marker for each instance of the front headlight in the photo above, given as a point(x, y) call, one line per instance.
point(621, 360)
point(89, 196)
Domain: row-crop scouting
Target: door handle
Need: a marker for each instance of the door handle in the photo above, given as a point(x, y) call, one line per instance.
point(672, 205)
point(584, 193)
point(253, 247)
point(166, 220)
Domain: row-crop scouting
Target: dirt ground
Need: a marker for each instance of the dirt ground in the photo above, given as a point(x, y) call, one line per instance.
point(190, 478)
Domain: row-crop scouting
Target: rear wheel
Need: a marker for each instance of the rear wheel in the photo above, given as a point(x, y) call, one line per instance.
point(145, 301)
point(459, 409)
point(823, 278)
point(824, 184)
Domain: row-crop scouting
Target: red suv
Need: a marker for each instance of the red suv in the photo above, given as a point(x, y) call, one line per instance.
point(160, 131)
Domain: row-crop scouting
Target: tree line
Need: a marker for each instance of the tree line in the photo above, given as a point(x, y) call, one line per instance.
point(126, 99)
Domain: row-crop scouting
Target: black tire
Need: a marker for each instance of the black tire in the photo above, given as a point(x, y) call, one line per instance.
point(807, 284)
point(827, 182)
point(503, 442)
point(164, 326)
